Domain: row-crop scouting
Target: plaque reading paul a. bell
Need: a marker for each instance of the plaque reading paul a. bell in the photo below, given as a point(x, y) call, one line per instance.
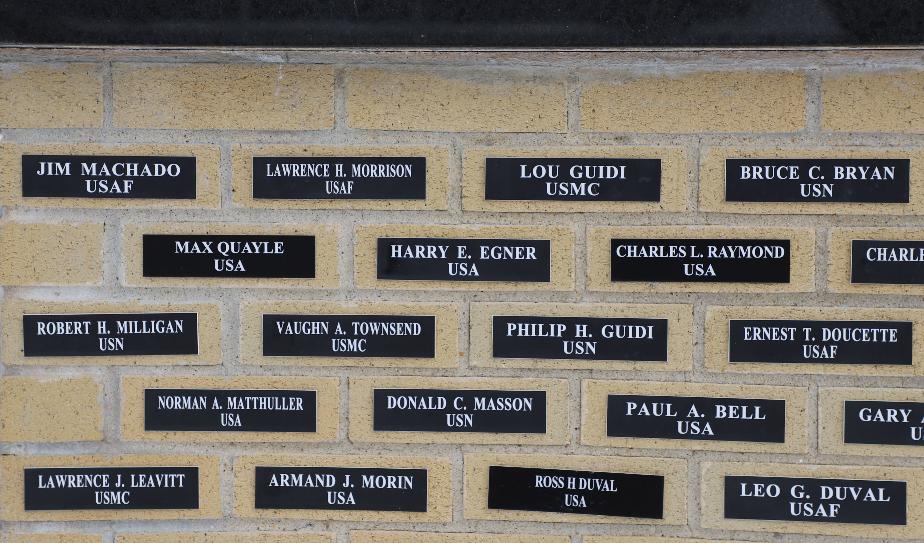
point(161, 487)
point(207, 410)
point(444, 410)
point(573, 179)
point(887, 262)
point(340, 178)
point(448, 259)
point(87, 176)
point(874, 422)
point(339, 488)
point(268, 256)
point(394, 336)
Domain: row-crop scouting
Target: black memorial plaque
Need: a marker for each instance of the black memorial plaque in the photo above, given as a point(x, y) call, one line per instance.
point(580, 492)
point(444, 410)
point(110, 334)
point(446, 259)
point(391, 336)
point(806, 499)
point(884, 422)
point(204, 410)
point(821, 342)
point(340, 178)
point(270, 256)
point(694, 417)
point(817, 180)
point(579, 338)
point(62, 489)
point(87, 176)
point(573, 179)
point(886, 262)
point(700, 260)
point(360, 489)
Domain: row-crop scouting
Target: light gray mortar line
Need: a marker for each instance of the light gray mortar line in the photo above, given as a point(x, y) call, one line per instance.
point(699, 339)
point(343, 425)
point(454, 190)
point(226, 484)
point(580, 262)
point(464, 309)
point(347, 259)
point(822, 259)
point(457, 480)
point(813, 106)
point(693, 191)
point(574, 412)
point(694, 507)
point(112, 252)
point(573, 103)
point(230, 333)
point(108, 97)
point(340, 107)
point(812, 413)
point(225, 181)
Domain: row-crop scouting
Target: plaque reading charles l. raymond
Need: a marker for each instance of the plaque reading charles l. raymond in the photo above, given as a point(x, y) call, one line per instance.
point(338, 488)
point(70, 489)
point(110, 334)
point(447, 410)
point(448, 259)
point(205, 410)
point(887, 262)
point(87, 176)
point(340, 178)
point(355, 336)
point(871, 422)
point(269, 256)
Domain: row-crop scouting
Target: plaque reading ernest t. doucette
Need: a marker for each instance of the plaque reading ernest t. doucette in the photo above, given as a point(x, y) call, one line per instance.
point(573, 179)
point(270, 256)
point(110, 334)
point(85, 176)
point(884, 422)
point(446, 259)
point(339, 488)
point(160, 487)
point(444, 410)
point(887, 262)
point(700, 260)
point(203, 410)
point(340, 178)
point(393, 336)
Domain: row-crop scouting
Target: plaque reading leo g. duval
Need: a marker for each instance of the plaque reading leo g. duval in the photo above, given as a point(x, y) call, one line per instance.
point(84, 176)
point(78, 488)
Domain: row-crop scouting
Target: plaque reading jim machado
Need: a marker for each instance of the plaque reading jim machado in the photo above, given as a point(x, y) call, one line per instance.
point(887, 262)
point(338, 488)
point(83, 176)
point(435, 410)
point(884, 422)
point(204, 410)
point(99, 334)
point(343, 178)
point(58, 489)
point(447, 259)
point(700, 260)
point(271, 256)
point(395, 336)
point(573, 179)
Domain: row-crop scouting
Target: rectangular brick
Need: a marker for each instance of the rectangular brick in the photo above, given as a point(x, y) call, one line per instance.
point(50, 410)
point(831, 418)
point(223, 96)
point(675, 170)
point(594, 415)
point(326, 406)
point(12, 501)
point(52, 538)
point(51, 95)
point(674, 472)
point(438, 494)
point(717, 339)
point(362, 411)
point(360, 536)
point(36, 254)
point(456, 101)
point(839, 259)
point(713, 498)
point(802, 257)
point(698, 102)
point(679, 334)
point(561, 255)
point(301, 536)
point(873, 102)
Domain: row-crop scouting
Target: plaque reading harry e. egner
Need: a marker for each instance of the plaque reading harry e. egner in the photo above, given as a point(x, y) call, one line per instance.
point(340, 178)
point(85, 176)
point(110, 334)
point(338, 488)
point(871, 422)
point(270, 256)
point(887, 262)
point(573, 179)
point(446, 410)
point(700, 260)
point(204, 410)
point(160, 487)
point(394, 336)
point(447, 259)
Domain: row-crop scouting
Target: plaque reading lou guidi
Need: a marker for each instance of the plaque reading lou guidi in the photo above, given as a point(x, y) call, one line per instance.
point(817, 180)
point(202, 410)
point(887, 262)
point(580, 492)
point(884, 422)
point(161, 487)
point(272, 256)
point(446, 259)
point(806, 499)
point(573, 179)
point(83, 176)
point(708, 419)
point(700, 260)
point(337, 488)
point(393, 336)
point(340, 178)
point(110, 334)
point(446, 410)
point(579, 338)
point(820, 342)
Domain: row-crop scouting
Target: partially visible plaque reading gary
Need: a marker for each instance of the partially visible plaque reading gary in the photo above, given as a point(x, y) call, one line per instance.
point(887, 262)
point(884, 422)
point(110, 334)
point(83, 176)
point(344, 178)
point(433, 410)
point(271, 256)
point(446, 259)
point(364, 489)
point(161, 487)
point(203, 410)
point(817, 180)
point(700, 260)
point(393, 336)
point(573, 179)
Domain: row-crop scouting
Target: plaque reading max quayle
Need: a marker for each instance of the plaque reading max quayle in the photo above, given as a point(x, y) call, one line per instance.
point(887, 262)
point(884, 422)
point(700, 260)
point(445, 259)
point(434, 410)
point(337, 488)
point(573, 179)
point(344, 178)
point(161, 487)
point(81, 176)
point(270, 256)
point(109, 334)
point(202, 410)
point(393, 336)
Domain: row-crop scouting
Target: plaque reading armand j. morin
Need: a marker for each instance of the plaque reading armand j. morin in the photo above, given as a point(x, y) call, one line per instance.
point(340, 178)
point(100, 176)
point(341, 488)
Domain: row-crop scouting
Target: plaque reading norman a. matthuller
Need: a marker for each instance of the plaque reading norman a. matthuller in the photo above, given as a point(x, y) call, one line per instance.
point(338, 488)
point(340, 178)
point(887, 262)
point(87, 176)
point(394, 336)
point(207, 410)
point(447, 410)
point(448, 259)
point(270, 256)
point(870, 422)
point(160, 487)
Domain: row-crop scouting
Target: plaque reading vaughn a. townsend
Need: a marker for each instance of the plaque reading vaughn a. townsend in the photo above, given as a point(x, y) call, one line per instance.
point(887, 262)
point(211, 410)
point(87, 176)
point(394, 336)
point(339, 488)
point(269, 256)
point(448, 259)
point(160, 487)
point(448, 410)
point(340, 178)
point(573, 179)
point(884, 422)
point(110, 334)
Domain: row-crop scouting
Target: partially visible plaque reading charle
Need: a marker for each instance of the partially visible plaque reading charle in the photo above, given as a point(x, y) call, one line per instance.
point(274, 256)
point(887, 262)
point(68, 489)
point(341, 488)
point(343, 178)
point(447, 259)
point(700, 260)
point(87, 176)
point(573, 179)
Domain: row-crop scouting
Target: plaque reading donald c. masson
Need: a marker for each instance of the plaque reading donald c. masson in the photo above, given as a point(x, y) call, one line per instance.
point(435, 410)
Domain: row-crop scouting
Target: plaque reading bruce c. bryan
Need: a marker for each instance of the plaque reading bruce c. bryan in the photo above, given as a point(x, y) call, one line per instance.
point(111, 334)
point(340, 178)
point(886, 262)
point(700, 260)
point(884, 422)
point(579, 338)
point(700, 418)
point(201, 410)
point(332, 488)
point(580, 492)
point(392, 336)
point(446, 259)
point(80, 176)
point(61, 489)
point(446, 410)
point(817, 180)
point(821, 342)
point(807, 499)
point(573, 179)
point(270, 256)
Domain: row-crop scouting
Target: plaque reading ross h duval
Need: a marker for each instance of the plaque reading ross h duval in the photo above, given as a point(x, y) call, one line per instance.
point(79, 176)
point(270, 256)
point(60, 489)
point(573, 179)
point(203, 410)
point(343, 178)
point(338, 488)
point(395, 336)
point(435, 410)
point(446, 259)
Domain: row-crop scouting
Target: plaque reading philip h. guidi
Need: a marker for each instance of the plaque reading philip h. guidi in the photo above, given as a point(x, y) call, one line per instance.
point(63, 489)
point(871, 422)
point(86, 176)
point(393, 336)
point(447, 259)
point(339, 488)
point(573, 179)
point(269, 256)
point(887, 262)
point(340, 178)
point(207, 410)
point(447, 410)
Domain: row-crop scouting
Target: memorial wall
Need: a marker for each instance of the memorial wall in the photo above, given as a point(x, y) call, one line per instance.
point(357, 296)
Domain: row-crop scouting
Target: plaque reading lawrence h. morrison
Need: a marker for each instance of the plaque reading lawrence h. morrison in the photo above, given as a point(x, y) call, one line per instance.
point(700, 260)
point(579, 338)
point(391, 336)
point(821, 342)
point(447, 410)
point(446, 259)
point(884, 422)
point(340, 178)
point(573, 179)
point(86, 176)
point(700, 418)
point(110, 334)
point(270, 256)
point(817, 180)
point(580, 492)
point(887, 262)
point(160, 487)
point(346, 489)
point(805, 499)
point(204, 410)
